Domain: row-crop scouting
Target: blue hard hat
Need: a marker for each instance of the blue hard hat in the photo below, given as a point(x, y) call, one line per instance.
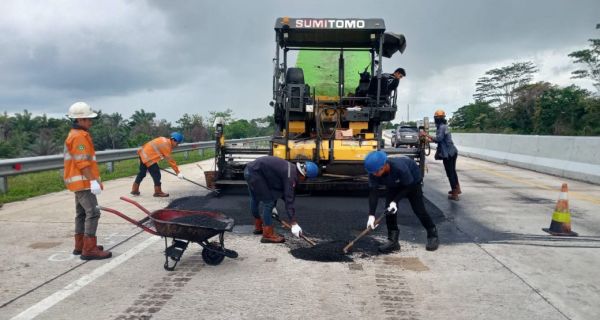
point(308, 169)
point(312, 170)
point(374, 161)
point(177, 137)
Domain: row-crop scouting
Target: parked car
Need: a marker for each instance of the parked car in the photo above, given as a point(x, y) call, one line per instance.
point(405, 136)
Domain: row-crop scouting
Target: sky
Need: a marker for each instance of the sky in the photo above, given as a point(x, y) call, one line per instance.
point(176, 57)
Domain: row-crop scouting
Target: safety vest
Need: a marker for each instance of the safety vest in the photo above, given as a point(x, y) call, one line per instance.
point(156, 150)
point(79, 153)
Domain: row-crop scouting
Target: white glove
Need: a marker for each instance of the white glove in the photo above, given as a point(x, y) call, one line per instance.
point(296, 230)
point(392, 208)
point(95, 187)
point(180, 176)
point(371, 222)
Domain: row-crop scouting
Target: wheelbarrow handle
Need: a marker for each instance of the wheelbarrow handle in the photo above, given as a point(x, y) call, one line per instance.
point(363, 233)
point(136, 204)
point(137, 223)
point(287, 225)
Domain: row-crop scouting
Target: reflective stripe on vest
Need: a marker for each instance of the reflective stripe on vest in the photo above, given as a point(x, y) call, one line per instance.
point(79, 157)
point(155, 147)
point(75, 179)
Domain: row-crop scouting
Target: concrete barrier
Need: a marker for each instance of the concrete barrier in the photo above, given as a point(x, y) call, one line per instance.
point(565, 156)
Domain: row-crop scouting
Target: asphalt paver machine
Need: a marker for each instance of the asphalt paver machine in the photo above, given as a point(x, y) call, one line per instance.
point(331, 106)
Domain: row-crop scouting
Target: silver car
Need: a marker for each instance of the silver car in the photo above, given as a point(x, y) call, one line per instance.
point(405, 136)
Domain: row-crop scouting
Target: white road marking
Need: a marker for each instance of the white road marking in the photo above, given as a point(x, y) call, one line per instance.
point(74, 286)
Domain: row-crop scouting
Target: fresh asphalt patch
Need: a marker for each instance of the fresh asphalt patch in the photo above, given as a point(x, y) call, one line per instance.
point(331, 221)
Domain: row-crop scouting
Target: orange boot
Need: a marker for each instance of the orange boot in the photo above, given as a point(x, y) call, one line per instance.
point(135, 189)
point(269, 236)
point(258, 227)
point(457, 188)
point(79, 244)
point(159, 193)
point(453, 195)
point(91, 250)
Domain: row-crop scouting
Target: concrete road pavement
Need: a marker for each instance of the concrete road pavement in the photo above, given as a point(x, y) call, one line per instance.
point(494, 261)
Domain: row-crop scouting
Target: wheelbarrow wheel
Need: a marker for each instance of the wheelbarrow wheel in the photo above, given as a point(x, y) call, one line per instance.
point(212, 258)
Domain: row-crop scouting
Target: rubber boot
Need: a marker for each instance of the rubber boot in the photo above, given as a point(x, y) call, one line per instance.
point(392, 244)
point(258, 227)
point(457, 188)
point(79, 244)
point(453, 195)
point(270, 236)
point(159, 193)
point(135, 189)
point(91, 250)
point(432, 240)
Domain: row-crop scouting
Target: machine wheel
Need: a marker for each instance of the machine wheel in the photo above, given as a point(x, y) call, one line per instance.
point(212, 258)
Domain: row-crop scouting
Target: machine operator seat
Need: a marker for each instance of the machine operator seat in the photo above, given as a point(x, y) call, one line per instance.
point(294, 76)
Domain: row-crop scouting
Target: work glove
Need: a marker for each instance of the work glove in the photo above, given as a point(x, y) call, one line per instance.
point(392, 208)
point(95, 187)
point(296, 230)
point(371, 222)
point(180, 176)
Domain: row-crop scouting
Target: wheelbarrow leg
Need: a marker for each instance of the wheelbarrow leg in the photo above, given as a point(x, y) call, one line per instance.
point(174, 252)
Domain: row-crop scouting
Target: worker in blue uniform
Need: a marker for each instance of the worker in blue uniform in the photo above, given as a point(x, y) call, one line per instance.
point(269, 179)
point(402, 179)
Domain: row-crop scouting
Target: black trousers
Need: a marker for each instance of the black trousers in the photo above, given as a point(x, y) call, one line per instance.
point(415, 197)
point(450, 167)
point(154, 173)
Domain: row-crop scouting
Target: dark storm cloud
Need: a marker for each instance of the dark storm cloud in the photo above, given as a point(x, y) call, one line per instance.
point(196, 56)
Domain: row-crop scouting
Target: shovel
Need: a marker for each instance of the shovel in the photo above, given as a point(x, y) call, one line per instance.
point(362, 234)
point(190, 181)
point(287, 226)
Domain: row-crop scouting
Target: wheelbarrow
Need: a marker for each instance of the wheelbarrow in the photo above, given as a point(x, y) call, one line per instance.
point(184, 226)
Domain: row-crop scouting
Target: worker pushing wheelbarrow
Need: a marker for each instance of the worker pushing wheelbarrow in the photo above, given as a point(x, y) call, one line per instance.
point(184, 226)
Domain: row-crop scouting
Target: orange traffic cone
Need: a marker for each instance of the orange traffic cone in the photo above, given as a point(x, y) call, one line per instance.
point(561, 218)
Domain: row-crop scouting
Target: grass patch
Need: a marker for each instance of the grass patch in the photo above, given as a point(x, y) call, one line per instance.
point(38, 183)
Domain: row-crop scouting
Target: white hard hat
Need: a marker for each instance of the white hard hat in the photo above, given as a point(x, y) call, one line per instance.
point(81, 110)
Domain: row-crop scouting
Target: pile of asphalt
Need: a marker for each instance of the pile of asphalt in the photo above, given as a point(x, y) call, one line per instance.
point(327, 251)
point(331, 221)
point(201, 221)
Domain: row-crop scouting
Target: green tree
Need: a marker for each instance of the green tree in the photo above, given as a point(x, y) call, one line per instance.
point(559, 111)
point(44, 144)
point(519, 116)
point(193, 127)
point(590, 58)
point(240, 129)
point(110, 131)
point(590, 122)
point(478, 116)
point(498, 85)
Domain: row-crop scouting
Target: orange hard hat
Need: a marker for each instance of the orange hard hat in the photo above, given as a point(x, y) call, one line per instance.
point(439, 113)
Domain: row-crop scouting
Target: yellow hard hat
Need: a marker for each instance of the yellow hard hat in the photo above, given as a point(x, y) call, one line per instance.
point(439, 113)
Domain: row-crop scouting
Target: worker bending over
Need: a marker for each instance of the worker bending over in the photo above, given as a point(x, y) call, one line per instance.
point(402, 178)
point(152, 152)
point(269, 179)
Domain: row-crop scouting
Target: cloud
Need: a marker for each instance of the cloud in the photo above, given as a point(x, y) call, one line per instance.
point(195, 56)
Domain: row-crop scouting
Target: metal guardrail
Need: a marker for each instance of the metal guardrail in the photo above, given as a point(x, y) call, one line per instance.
point(17, 166)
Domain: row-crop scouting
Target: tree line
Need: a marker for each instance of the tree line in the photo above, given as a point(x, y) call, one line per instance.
point(506, 100)
point(25, 135)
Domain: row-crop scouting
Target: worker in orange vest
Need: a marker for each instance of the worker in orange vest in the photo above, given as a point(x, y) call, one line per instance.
point(152, 152)
point(83, 177)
